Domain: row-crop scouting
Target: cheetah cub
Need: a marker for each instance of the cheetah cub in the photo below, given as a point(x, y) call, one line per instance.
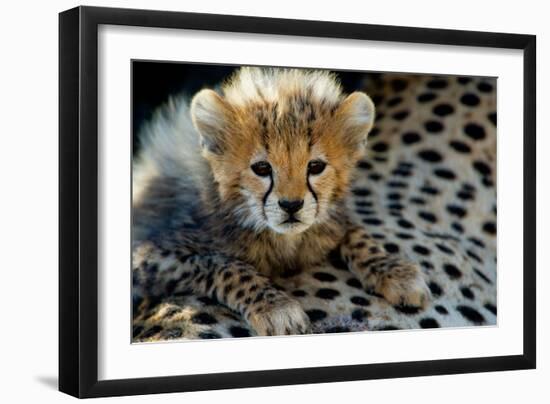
point(251, 181)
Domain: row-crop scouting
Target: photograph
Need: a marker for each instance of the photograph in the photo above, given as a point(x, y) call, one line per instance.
point(276, 201)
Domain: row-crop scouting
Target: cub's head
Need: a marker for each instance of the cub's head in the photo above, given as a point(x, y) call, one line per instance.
point(282, 144)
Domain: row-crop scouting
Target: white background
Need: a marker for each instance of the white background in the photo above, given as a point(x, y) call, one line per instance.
point(28, 163)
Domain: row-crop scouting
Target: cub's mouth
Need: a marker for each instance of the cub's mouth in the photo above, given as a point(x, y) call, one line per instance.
point(291, 219)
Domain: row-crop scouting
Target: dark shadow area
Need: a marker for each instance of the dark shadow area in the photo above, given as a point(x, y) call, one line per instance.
point(154, 82)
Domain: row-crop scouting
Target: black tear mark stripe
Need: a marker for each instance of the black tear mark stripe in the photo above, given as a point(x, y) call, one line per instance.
point(314, 195)
point(268, 191)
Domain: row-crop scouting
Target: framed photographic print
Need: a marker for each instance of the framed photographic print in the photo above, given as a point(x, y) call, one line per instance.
point(250, 201)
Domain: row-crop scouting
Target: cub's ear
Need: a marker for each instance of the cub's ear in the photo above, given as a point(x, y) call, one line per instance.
point(355, 115)
point(211, 117)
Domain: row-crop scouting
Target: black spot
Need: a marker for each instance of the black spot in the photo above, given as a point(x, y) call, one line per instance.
point(336, 260)
point(361, 192)
point(363, 204)
point(399, 116)
point(471, 314)
point(464, 80)
point(456, 211)
point(395, 206)
point(457, 227)
point(360, 301)
point(441, 310)
point(474, 256)
point(493, 118)
point(372, 221)
point(324, 277)
point(239, 332)
point(483, 276)
point(405, 224)
point(404, 236)
point(435, 289)
point(151, 331)
point(209, 335)
point(469, 99)
point(465, 196)
point(460, 147)
point(482, 168)
point(392, 102)
point(394, 196)
point(380, 147)
point(136, 331)
point(374, 132)
point(433, 126)
point(397, 184)
point(406, 309)
point(410, 138)
point(427, 216)
point(207, 301)
point(327, 294)
point(316, 315)
point(420, 249)
point(427, 264)
point(452, 271)
point(365, 165)
point(430, 155)
point(387, 328)
point(474, 131)
point(401, 172)
point(426, 97)
point(467, 292)
point(477, 242)
point(337, 329)
point(490, 227)
point(436, 84)
point(485, 87)
point(172, 333)
point(429, 190)
point(299, 293)
point(358, 314)
point(445, 249)
point(443, 109)
point(398, 85)
point(444, 173)
point(203, 318)
point(428, 323)
point(391, 248)
point(378, 236)
point(487, 182)
point(491, 307)
point(375, 177)
point(354, 283)
point(417, 201)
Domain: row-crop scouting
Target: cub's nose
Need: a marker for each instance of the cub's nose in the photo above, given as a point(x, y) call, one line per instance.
point(291, 206)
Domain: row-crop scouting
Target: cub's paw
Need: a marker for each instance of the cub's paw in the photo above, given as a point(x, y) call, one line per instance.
point(278, 315)
point(402, 283)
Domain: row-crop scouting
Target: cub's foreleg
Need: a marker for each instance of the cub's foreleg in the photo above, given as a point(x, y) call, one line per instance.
point(269, 311)
point(399, 281)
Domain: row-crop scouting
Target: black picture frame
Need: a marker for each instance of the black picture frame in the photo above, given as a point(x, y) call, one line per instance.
point(78, 201)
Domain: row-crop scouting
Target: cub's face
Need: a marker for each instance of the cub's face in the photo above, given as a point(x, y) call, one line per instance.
point(282, 165)
point(289, 186)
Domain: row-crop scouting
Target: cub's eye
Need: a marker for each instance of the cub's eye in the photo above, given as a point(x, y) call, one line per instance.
point(261, 168)
point(316, 167)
